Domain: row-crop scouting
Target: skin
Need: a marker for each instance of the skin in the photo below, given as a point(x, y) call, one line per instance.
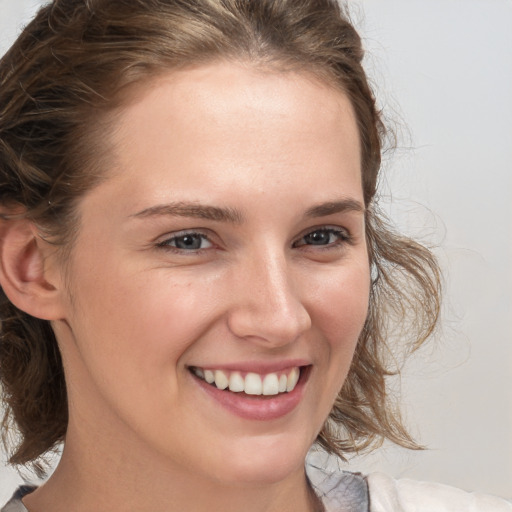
point(137, 312)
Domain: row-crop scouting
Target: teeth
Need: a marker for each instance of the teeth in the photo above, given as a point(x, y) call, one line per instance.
point(293, 378)
point(236, 382)
point(199, 372)
point(270, 384)
point(282, 383)
point(221, 380)
point(253, 383)
point(209, 376)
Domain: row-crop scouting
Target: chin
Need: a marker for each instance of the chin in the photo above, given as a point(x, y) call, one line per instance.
point(265, 461)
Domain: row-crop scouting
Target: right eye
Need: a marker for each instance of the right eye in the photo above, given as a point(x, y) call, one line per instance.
point(189, 241)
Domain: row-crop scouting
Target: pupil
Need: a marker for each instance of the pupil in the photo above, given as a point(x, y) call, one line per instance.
point(318, 238)
point(188, 242)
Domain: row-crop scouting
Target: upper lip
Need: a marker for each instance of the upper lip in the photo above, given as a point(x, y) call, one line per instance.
point(261, 367)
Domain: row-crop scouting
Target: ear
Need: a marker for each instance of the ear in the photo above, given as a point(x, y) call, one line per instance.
point(24, 274)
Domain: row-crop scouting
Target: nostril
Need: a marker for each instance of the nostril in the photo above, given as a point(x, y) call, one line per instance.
point(274, 328)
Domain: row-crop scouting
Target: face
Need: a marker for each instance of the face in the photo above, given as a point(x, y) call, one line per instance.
point(227, 244)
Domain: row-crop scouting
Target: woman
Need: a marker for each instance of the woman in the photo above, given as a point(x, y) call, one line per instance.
point(197, 282)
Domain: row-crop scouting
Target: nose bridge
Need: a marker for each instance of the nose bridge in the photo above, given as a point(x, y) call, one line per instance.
point(268, 305)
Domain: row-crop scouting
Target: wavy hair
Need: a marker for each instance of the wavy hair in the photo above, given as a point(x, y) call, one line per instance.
point(72, 67)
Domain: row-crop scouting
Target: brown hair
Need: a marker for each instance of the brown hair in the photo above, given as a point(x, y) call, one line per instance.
point(63, 76)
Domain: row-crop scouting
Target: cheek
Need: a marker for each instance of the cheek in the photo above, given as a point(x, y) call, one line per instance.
point(340, 314)
point(341, 305)
point(130, 331)
point(139, 318)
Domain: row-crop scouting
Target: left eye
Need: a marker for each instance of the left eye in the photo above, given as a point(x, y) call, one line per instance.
point(187, 242)
point(327, 236)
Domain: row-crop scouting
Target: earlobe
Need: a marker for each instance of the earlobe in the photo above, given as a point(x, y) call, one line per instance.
point(23, 273)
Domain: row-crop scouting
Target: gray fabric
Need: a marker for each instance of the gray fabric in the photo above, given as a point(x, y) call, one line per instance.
point(15, 504)
point(339, 492)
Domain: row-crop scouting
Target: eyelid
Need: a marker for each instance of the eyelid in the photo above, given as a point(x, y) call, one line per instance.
point(163, 242)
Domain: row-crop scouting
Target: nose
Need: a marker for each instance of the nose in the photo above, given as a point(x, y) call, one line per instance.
point(266, 304)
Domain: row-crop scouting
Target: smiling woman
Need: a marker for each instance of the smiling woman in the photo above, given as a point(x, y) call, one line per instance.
point(197, 283)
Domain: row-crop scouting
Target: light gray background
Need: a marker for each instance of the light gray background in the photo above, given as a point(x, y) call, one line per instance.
point(442, 70)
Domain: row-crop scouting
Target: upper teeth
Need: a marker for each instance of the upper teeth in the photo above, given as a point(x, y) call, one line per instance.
point(251, 383)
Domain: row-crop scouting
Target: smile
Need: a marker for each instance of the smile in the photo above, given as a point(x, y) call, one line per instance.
point(250, 383)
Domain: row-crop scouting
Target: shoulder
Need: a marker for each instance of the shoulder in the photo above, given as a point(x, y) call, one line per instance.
point(390, 495)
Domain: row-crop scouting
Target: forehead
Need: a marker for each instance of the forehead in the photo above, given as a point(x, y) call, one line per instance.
point(229, 121)
point(229, 93)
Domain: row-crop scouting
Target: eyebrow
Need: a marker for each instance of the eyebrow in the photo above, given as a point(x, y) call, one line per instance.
point(332, 207)
point(198, 211)
point(234, 216)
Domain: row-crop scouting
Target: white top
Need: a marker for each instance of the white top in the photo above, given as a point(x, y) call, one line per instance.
point(389, 495)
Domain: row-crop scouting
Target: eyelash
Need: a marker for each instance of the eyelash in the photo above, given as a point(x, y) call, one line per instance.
point(167, 243)
point(343, 236)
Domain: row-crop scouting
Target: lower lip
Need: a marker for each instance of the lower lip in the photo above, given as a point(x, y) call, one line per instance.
point(257, 407)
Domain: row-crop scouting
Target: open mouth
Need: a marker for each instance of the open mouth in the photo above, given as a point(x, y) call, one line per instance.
point(269, 384)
